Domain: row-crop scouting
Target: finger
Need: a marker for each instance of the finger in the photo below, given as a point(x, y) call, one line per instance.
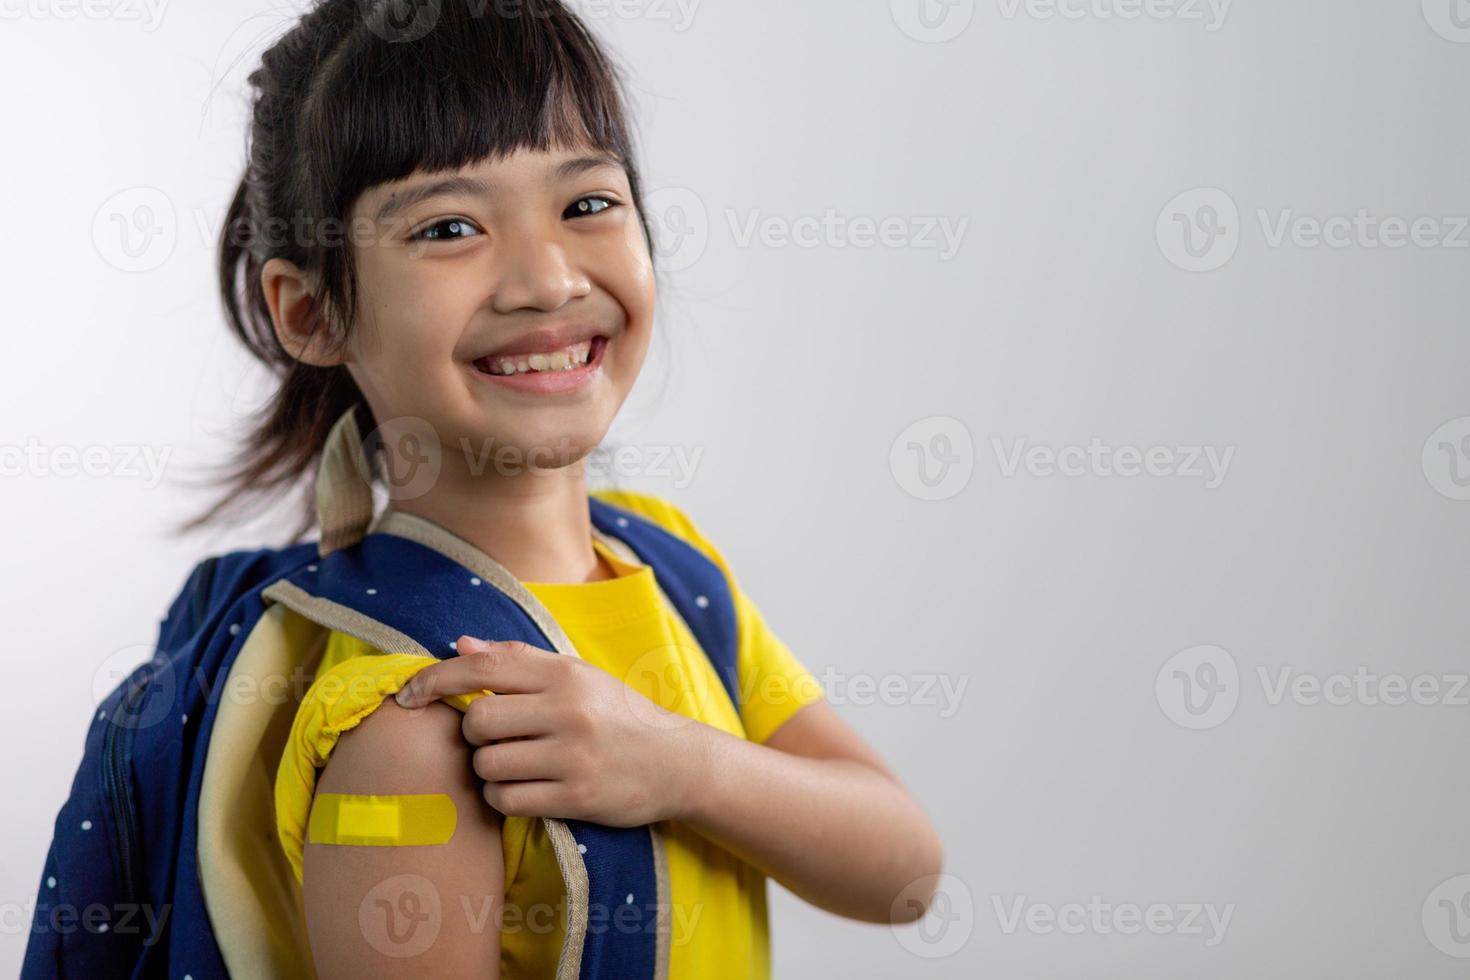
point(532, 798)
point(506, 716)
point(502, 669)
point(528, 759)
point(466, 645)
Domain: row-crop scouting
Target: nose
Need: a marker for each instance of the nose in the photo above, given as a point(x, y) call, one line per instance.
point(533, 271)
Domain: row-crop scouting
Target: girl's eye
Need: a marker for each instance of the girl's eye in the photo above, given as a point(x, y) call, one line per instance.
point(454, 228)
point(452, 225)
point(589, 206)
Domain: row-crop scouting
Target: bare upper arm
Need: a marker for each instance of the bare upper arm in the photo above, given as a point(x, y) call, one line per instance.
point(380, 911)
point(817, 731)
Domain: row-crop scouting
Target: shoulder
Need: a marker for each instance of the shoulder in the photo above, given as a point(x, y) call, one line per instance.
point(349, 715)
point(347, 690)
point(393, 749)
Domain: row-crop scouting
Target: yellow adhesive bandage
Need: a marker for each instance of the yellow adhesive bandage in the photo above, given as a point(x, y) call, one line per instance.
point(381, 821)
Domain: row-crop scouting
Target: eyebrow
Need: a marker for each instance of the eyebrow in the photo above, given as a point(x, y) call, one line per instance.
point(466, 186)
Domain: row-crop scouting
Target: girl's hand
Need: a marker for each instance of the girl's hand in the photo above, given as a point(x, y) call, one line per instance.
point(563, 738)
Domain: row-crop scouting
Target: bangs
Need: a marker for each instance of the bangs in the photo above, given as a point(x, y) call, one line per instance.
point(487, 79)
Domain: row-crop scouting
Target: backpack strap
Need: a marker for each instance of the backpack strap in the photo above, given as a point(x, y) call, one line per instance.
point(693, 583)
point(344, 486)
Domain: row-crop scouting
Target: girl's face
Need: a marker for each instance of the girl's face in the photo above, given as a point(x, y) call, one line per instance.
point(483, 261)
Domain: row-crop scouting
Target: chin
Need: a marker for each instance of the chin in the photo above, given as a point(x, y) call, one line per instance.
point(552, 447)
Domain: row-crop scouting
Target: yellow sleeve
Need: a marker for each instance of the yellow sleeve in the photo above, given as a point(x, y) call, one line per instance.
point(774, 684)
point(347, 688)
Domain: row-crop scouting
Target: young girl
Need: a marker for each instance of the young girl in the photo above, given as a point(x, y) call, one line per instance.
point(440, 246)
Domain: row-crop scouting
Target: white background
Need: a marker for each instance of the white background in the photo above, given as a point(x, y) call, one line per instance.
point(1059, 137)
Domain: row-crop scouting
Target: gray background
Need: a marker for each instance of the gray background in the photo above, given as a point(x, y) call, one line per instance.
point(812, 379)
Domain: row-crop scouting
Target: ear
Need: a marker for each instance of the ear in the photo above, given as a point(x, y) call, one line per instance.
point(288, 293)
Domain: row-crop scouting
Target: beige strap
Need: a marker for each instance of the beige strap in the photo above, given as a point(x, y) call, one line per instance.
point(344, 489)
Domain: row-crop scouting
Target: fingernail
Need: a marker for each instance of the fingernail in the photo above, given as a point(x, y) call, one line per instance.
point(404, 697)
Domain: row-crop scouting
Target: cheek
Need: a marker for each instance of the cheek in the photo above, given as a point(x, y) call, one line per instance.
point(636, 288)
point(406, 313)
point(636, 245)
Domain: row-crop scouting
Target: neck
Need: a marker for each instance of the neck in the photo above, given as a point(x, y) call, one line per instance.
point(536, 523)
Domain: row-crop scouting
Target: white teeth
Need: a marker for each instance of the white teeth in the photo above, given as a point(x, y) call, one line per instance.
point(562, 360)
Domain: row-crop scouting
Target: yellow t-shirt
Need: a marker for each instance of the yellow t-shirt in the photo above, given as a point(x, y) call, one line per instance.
point(719, 924)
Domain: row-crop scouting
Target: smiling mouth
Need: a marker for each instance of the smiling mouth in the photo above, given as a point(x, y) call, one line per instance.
point(569, 358)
